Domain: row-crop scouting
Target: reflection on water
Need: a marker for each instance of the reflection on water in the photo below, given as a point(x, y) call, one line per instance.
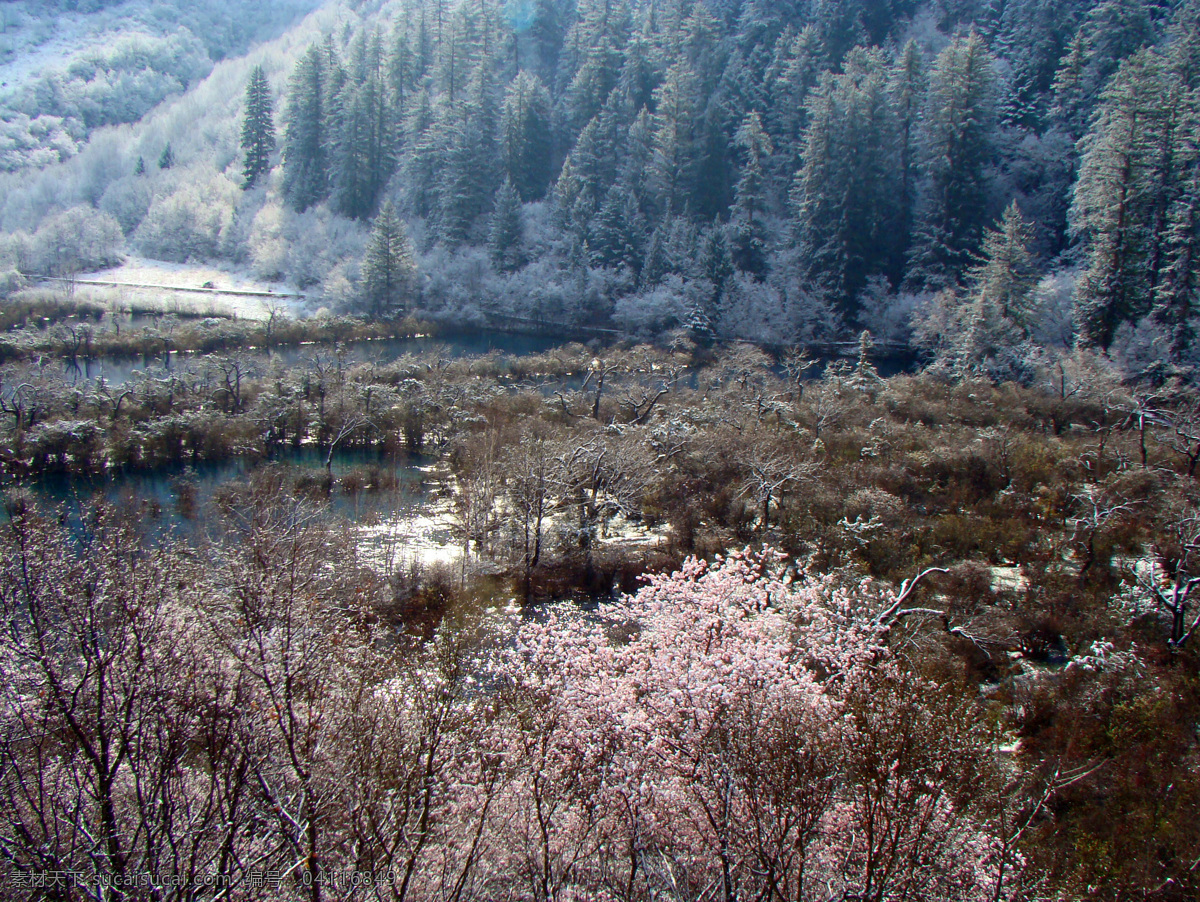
point(178, 499)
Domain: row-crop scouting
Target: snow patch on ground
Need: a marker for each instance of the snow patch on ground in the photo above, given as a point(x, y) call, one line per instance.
point(630, 534)
point(1009, 579)
point(422, 535)
point(36, 46)
point(139, 271)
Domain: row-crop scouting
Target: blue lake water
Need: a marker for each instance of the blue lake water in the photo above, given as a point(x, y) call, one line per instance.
point(178, 499)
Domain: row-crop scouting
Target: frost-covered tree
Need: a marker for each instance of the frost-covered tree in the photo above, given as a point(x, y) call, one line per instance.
point(1130, 203)
point(305, 167)
point(506, 234)
point(1005, 277)
point(749, 230)
point(76, 240)
point(258, 128)
point(986, 329)
point(847, 197)
point(525, 136)
point(389, 267)
point(957, 150)
point(672, 169)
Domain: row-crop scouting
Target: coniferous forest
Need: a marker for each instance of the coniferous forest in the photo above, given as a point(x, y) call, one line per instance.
point(600, 450)
point(970, 180)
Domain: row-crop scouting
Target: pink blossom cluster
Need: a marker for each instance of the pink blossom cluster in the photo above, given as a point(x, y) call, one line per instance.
point(733, 731)
point(744, 735)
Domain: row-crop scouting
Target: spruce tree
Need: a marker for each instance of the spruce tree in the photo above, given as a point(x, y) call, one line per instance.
point(258, 128)
point(958, 150)
point(1070, 89)
point(1130, 201)
point(1177, 296)
point(167, 158)
point(794, 73)
point(906, 88)
point(525, 136)
point(353, 185)
point(848, 196)
point(1004, 279)
point(305, 168)
point(618, 230)
point(389, 266)
point(360, 132)
point(749, 231)
point(506, 236)
point(673, 165)
point(985, 330)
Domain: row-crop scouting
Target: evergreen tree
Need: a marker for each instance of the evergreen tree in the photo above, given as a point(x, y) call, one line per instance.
point(637, 154)
point(352, 184)
point(537, 38)
point(749, 231)
point(793, 74)
point(404, 68)
point(1071, 93)
point(360, 130)
point(423, 154)
point(465, 180)
point(655, 265)
point(389, 267)
point(592, 58)
point(639, 76)
point(525, 135)
point(716, 265)
point(591, 166)
point(305, 167)
point(618, 231)
point(1113, 32)
point(1177, 296)
point(167, 158)
point(140, 167)
point(1004, 279)
point(1131, 199)
point(847, 198)
point(258, 128)
point(985, 330)
point(506, 234)
point(906, 91)
point(958, 150)
point(672, 168)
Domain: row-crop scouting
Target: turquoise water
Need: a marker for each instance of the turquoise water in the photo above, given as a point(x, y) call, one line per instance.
point(179, 499)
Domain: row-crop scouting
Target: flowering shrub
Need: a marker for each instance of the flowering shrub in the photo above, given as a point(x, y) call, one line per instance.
point(732, 731)
point(751, 738)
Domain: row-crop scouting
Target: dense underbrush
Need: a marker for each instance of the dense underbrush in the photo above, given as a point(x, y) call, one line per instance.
point(1059, 519)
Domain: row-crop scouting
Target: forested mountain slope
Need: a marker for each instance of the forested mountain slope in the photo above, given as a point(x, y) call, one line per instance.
point(67, 68)
point(979, 179)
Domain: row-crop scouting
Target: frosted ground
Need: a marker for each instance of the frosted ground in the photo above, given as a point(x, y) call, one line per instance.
point(148, 284)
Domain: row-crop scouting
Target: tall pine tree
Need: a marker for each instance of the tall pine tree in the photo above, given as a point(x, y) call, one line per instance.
point(958, 150)
point(1004, 279)
point(525, 136)
point(305, 167)
point(506, 233)
point(749, 231)
point(1131, 202)
point(258, 128)
point(389, 267)
point(847, 198)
